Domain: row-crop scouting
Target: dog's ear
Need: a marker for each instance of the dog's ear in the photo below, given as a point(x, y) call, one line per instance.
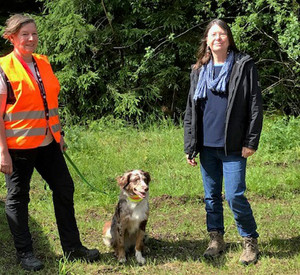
point(147, 175)
point(123, 180)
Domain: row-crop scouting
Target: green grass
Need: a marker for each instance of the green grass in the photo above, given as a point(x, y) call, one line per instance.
point(177, 231)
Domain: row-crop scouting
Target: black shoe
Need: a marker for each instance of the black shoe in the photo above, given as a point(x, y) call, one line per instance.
point(28, 261)
point(83, 253)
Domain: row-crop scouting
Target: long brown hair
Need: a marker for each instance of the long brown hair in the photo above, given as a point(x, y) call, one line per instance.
point(204, 53)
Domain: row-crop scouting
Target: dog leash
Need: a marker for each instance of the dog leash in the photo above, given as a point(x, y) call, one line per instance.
point(80, 175)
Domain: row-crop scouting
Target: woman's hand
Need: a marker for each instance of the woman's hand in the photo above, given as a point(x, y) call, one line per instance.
point(247, 152)
point(191, 162)
point(6, 166)
point(62, 144)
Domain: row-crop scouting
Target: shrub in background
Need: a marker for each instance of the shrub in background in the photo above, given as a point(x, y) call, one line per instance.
point(131, 59)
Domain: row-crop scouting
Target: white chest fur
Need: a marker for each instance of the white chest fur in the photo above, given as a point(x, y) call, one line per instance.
point(139, 214)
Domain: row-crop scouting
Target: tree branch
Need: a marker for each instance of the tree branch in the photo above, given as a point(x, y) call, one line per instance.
point(106, 14)
point(128, 46)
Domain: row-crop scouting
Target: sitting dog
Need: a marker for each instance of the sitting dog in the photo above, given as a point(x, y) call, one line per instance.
point(128, 225)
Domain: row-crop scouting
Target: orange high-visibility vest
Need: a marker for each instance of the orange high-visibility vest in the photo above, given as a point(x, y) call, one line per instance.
point(25, 120)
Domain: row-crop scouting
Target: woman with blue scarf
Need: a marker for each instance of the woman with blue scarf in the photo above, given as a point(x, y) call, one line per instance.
point(223, 122)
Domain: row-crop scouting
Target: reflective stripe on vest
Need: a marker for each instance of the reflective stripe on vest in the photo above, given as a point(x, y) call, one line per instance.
point(29, 115)
point(29, 132)
point(56, 128)
point(25, 132)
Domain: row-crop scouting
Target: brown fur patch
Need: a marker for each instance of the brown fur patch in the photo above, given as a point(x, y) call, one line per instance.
point(106, 227)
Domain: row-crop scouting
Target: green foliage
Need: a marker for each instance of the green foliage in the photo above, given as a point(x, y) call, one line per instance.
point(125, 58)
point(70, 54)
point(108, 147)
point(131, 59)
point(281, 134)
point(274, 171)
point(270, 30)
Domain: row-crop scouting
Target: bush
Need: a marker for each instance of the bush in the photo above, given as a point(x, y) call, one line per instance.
point(131, 59)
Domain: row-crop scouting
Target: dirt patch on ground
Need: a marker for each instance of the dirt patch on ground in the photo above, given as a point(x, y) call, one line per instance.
point(157, 202)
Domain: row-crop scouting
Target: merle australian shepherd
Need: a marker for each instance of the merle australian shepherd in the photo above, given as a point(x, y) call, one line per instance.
point(128, 225)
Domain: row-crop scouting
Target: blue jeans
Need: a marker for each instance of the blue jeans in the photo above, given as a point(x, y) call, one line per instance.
point(214, 166)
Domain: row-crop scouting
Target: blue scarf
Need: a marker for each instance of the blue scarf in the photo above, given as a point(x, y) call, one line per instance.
point(206, 79)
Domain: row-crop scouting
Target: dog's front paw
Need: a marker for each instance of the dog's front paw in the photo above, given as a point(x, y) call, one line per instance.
point(139, 257)
point(122, 260)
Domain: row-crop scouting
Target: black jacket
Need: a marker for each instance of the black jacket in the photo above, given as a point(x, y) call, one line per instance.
point(244, 114)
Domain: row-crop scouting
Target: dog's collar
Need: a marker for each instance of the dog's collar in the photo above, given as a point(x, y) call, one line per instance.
point(135, 198)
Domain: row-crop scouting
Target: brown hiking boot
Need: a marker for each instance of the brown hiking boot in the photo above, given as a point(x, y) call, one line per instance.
point(250, 251)
point(216, 245)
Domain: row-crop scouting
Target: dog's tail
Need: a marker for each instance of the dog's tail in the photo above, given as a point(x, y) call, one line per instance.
point(107, 238)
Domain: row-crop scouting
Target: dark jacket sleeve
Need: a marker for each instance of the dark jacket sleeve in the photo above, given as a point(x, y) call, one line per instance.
point(255, 110)
point(190, 116)
point(188, 124)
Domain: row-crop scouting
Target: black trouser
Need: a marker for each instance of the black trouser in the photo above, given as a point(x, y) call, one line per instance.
point(51, 165)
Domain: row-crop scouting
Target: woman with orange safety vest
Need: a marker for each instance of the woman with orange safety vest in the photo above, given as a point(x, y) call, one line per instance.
point(31, 137)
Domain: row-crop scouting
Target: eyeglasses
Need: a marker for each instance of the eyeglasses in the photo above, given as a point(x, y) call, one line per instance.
point(216, 34)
